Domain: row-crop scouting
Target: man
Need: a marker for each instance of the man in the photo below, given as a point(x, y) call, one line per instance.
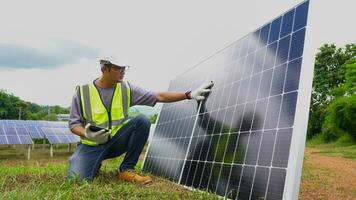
point(105, 104)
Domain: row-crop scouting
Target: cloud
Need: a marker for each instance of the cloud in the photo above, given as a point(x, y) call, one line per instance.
point(56, 54)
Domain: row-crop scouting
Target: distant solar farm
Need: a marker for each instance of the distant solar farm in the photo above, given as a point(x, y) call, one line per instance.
point(21, 132)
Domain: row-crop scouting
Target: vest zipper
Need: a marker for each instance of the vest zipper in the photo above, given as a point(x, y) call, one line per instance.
point(108, 111)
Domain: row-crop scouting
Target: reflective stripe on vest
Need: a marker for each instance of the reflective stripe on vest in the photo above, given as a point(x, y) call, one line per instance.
point(95, 113)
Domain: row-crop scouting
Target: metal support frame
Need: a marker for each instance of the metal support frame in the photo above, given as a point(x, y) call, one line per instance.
point(29, 151)
point(51, 150)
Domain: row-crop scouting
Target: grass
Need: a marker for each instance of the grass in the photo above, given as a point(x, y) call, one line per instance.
point(43, 177)
point(343, 147)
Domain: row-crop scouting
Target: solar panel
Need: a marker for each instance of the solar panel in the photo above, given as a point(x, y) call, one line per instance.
point(238, 142)
point(72, 138)
point(57, 135)
point(34, 131)
point(50, 135)
point(24, 136)
point(3, 139)
point(9, 135)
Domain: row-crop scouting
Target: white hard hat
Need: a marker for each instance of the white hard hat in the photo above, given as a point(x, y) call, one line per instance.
point(110, 59)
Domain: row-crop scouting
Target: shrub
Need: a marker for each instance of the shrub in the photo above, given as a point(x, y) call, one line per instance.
point(345, 140)
point(340, 118)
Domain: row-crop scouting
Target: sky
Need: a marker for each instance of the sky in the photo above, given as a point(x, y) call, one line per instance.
point(49, 47)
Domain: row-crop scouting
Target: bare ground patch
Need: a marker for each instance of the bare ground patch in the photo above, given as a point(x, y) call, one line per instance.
point(326, 177)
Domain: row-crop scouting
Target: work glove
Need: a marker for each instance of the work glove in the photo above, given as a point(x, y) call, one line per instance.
point(95, 134)
point(199, 93)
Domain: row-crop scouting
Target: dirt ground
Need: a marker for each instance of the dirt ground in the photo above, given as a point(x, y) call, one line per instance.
point(327, 177)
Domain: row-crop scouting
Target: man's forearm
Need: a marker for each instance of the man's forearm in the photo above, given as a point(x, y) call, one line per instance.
point(79, 130)
point(170, 96)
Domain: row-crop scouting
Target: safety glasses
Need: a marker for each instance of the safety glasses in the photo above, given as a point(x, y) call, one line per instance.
point(121, 68)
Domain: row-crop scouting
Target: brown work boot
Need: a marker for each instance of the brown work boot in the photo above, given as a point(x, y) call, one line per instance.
point(132, 176)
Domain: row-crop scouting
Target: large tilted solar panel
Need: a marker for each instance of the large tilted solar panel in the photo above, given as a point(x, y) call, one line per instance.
point(240, 143)
point(10, 134)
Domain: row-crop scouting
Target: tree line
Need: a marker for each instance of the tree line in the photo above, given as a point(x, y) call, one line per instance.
point(332, 114)
point(12, 107)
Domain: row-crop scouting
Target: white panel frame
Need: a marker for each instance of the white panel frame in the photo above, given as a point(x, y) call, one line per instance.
point(153, 134)
point(296, 153)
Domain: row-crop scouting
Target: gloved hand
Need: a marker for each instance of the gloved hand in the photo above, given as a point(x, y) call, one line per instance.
point(95, 134)
point(199, 93)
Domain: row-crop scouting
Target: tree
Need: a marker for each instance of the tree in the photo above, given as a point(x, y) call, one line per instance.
point(59, 110)
point(341, 113)
point(329, 73)
point(350, 78)
point(21, 106)
point(340, 119)
point(8, 107)
point(4, 102)
point(51, 117)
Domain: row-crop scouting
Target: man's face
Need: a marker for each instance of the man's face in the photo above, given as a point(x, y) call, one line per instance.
point(118, 73)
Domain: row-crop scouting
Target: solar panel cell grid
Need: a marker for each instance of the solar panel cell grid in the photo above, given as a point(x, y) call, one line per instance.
point(172, 136)
point(21, 131)
point(10, 130)
point(13, 139)
point(34, 132)
point(53, 139)
point(26, 139)
point(2, 131)
point(59, 134)
point(3, 139)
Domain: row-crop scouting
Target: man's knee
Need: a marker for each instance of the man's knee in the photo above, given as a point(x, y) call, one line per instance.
point(142, 120)
point(73, 172)
point(78, 169)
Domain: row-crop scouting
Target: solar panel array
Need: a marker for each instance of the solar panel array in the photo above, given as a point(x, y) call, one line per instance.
point(14, 135)
point(55, 132)
point(236, 143)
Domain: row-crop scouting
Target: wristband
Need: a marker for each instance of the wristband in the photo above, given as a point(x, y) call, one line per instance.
point(187, 94)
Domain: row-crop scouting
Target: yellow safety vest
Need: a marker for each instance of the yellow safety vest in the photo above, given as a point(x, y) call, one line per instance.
point(95, 112)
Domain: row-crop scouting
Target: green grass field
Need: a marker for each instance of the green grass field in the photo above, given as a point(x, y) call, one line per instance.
point(344, 148)
point(43, 177)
